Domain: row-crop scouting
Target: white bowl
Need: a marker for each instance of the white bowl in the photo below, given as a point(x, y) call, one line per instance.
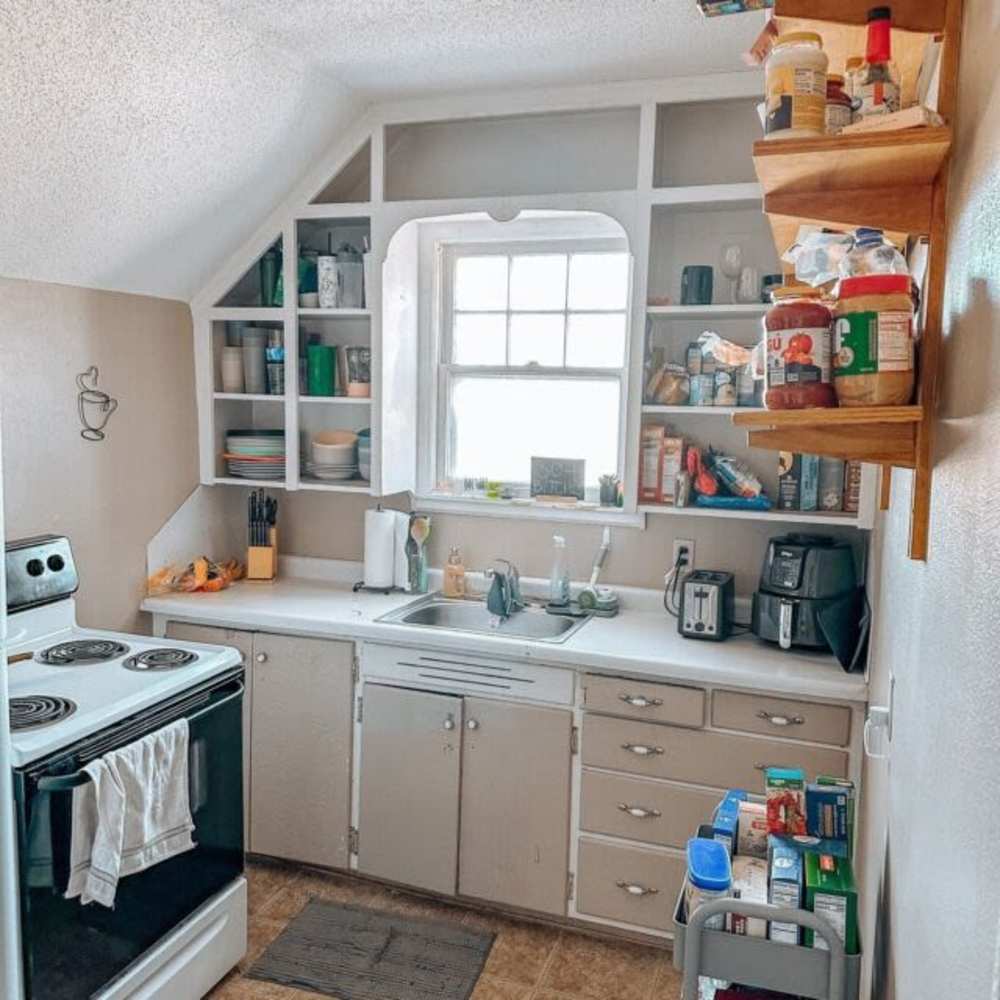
point(334, 447)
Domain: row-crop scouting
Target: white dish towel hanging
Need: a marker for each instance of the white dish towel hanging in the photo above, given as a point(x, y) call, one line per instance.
point(133, 813)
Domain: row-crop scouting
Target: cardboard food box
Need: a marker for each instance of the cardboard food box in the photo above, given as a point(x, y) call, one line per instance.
point(785, 791)
point(827, 811)
point(726, 820)
point(831, 483)
point(749, 883)
point(715, 8)
point(784, 887)
point(847, 787)
point(831, 893)
point(671, 464)
point(852, 487)
point(789, 479)
point(809, 483)
point(751, 830)
point(651, 463)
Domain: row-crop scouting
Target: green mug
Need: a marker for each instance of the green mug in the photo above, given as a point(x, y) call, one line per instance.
point(321, 369)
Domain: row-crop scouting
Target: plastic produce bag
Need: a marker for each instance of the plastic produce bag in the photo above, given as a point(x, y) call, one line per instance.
point(816, 255)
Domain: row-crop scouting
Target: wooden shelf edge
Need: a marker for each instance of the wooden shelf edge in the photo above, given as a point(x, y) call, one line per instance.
point(925, 16)
point(830, 417)
point(882, 444)
point(764, 149)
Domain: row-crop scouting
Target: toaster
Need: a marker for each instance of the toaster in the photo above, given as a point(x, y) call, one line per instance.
point(708, 603)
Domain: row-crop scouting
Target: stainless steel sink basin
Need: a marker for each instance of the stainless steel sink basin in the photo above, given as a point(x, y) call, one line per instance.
point(473, 616)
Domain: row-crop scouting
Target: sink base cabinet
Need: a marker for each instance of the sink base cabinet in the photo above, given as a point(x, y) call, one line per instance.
point(515, 804)
point(411, 745)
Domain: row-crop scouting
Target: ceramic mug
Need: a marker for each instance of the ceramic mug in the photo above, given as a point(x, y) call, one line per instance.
point(328, 282)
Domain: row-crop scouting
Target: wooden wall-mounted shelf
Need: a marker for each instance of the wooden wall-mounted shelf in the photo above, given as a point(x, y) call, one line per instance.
point(895, 181)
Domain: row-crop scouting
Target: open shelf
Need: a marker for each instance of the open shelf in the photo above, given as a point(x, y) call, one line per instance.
point(818, 517)
point(885, 435)
point(346, 486)
point(881, 179)
point(339, 400)
point(251, 397)
point(721, 311)
point(249, 291)
point(336, 313)
point(707, 411)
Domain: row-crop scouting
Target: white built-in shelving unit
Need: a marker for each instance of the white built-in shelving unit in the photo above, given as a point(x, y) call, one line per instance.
point(668, 160)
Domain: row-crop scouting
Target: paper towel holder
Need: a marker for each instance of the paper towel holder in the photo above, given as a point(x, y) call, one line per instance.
point(361, 586)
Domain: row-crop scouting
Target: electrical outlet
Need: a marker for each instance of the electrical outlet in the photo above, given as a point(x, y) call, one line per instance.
point(685, 545)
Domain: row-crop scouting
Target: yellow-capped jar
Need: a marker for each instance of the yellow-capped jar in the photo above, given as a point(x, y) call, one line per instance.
point(795, 85)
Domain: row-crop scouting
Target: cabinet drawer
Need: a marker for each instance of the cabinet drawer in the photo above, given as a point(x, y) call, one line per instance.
point(797, 720)
point(639, 809)
point(606, 871)
point(682, 706)
point(706, 758)
point(238, 639)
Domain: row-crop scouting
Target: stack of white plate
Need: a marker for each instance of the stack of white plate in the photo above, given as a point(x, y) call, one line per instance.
point(331, 472)
point(256, 454)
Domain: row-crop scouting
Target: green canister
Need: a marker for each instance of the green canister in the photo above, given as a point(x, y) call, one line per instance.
point(321, 369)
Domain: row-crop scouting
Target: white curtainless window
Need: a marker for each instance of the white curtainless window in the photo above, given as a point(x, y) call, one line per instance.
point(532, 360)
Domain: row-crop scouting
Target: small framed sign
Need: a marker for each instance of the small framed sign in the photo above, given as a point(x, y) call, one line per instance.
point(557, 477)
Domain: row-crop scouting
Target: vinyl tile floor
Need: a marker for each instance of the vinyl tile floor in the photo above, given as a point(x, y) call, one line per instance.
point(528, 961)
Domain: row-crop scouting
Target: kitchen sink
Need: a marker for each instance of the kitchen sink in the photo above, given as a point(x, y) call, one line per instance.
point(473, 616)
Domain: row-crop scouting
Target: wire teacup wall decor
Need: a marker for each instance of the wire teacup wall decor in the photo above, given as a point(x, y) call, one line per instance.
point(91, 396)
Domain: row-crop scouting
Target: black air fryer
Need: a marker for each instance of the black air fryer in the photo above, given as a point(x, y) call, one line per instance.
point(809, 596)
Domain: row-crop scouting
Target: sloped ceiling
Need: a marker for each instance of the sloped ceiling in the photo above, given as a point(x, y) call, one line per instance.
point(143, 141)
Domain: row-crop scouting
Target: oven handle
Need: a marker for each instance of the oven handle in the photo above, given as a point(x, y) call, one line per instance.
point(67, 782)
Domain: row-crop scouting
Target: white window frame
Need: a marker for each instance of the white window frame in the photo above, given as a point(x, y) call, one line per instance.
point(438, 373)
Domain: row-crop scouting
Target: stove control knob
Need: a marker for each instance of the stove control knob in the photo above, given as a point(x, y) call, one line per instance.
point(56, 563)
point(35, 567)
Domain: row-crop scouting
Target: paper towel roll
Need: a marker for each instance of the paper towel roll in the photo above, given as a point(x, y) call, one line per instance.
point(380, 548)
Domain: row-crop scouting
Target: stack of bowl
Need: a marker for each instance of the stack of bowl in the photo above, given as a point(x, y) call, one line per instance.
point(255, 454)
point(333, 455)
point(365, 453)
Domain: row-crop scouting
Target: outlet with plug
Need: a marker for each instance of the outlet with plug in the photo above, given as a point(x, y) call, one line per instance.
point(683, 550)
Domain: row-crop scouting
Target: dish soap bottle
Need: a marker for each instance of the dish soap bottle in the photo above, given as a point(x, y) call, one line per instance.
point(559, 581)
point(454, 575)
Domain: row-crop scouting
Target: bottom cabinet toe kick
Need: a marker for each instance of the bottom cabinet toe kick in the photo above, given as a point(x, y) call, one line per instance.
point(517, 785)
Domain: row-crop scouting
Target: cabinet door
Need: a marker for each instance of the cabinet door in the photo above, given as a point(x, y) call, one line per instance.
point(515, 804)
point(410, 751)
point(243, 641)
point(300, 764)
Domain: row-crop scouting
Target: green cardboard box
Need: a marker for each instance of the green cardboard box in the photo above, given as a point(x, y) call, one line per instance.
point(831, 893)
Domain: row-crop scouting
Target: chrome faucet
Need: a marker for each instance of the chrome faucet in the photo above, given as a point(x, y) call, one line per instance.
point(504, 597)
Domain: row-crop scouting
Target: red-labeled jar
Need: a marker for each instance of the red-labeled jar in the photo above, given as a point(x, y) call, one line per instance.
point(797, 342)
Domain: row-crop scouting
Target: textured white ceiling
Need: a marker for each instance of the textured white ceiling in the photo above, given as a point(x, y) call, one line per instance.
point(144, 140)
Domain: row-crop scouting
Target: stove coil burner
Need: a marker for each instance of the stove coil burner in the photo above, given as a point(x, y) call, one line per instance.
point(38, 710)
point(79, 651)
point(160, 659)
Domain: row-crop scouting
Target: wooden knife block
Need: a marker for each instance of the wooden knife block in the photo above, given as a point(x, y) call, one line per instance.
point(262, 560)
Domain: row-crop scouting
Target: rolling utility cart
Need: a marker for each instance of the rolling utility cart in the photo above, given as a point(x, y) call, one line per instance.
point(766, 964)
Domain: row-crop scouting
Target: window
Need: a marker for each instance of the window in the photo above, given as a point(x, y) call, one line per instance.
point(532, 359)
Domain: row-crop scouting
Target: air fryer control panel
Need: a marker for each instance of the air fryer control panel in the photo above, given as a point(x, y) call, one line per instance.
point(786, 568)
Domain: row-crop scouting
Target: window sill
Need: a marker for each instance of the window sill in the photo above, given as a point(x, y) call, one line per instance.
point(519, 510)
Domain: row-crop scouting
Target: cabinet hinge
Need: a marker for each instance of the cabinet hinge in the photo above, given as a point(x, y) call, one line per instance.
point(356, 669)
point(352, 840)
point(361, 712)
point(574, 740)
point(570, 886)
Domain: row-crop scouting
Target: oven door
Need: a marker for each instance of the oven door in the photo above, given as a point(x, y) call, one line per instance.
point(72, 952)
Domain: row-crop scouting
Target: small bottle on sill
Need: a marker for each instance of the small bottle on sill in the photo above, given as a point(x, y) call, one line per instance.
point(454, 575)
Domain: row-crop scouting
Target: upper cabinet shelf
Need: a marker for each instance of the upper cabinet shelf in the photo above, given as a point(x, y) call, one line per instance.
point(882, 179)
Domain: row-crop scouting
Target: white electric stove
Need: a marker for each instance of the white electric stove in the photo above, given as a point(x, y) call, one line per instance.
point(78, 693)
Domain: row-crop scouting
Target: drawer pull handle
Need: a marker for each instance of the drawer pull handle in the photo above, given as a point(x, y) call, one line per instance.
point(781, 720)
point(639, 700)
point(641, 750)
point(634, 889)
point(639, 812)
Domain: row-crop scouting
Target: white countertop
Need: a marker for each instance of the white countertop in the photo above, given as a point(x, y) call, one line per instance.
point(314, 598)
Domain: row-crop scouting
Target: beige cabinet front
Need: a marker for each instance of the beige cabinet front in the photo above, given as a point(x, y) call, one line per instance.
point(411, 744)
point(301, 728)
point(515, 804)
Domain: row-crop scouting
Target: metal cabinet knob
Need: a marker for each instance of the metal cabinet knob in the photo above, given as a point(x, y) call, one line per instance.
point(781, 720)
point(449, 724)
point(641, 750)
point(634, 889)
point(640, 700)
point(261, 657)
point(639, 812)
point(472, 724)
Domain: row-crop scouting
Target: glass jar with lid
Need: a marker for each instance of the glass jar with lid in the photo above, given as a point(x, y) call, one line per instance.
point(798, 372)
point(795, 87)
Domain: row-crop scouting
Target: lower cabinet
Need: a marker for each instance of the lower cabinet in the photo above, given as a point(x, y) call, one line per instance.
point(466, 794)
point(298, 717)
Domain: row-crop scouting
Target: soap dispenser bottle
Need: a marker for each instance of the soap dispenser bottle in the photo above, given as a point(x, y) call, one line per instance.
point(559, 581)
point(454, 575)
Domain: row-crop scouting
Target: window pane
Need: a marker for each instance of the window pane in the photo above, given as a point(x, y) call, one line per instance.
point(596, 340)
point(536, 338)
point(538, 281)
point(499, 423)
point(598, 281)
point(479, 339)
point(481, 283)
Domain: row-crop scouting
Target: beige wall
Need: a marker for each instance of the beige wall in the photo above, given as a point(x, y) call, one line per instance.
point(315, 524)
point(933, 810)
point(109, 497)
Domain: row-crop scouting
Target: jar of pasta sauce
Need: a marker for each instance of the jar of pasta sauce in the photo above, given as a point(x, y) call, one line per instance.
point(798, 375)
